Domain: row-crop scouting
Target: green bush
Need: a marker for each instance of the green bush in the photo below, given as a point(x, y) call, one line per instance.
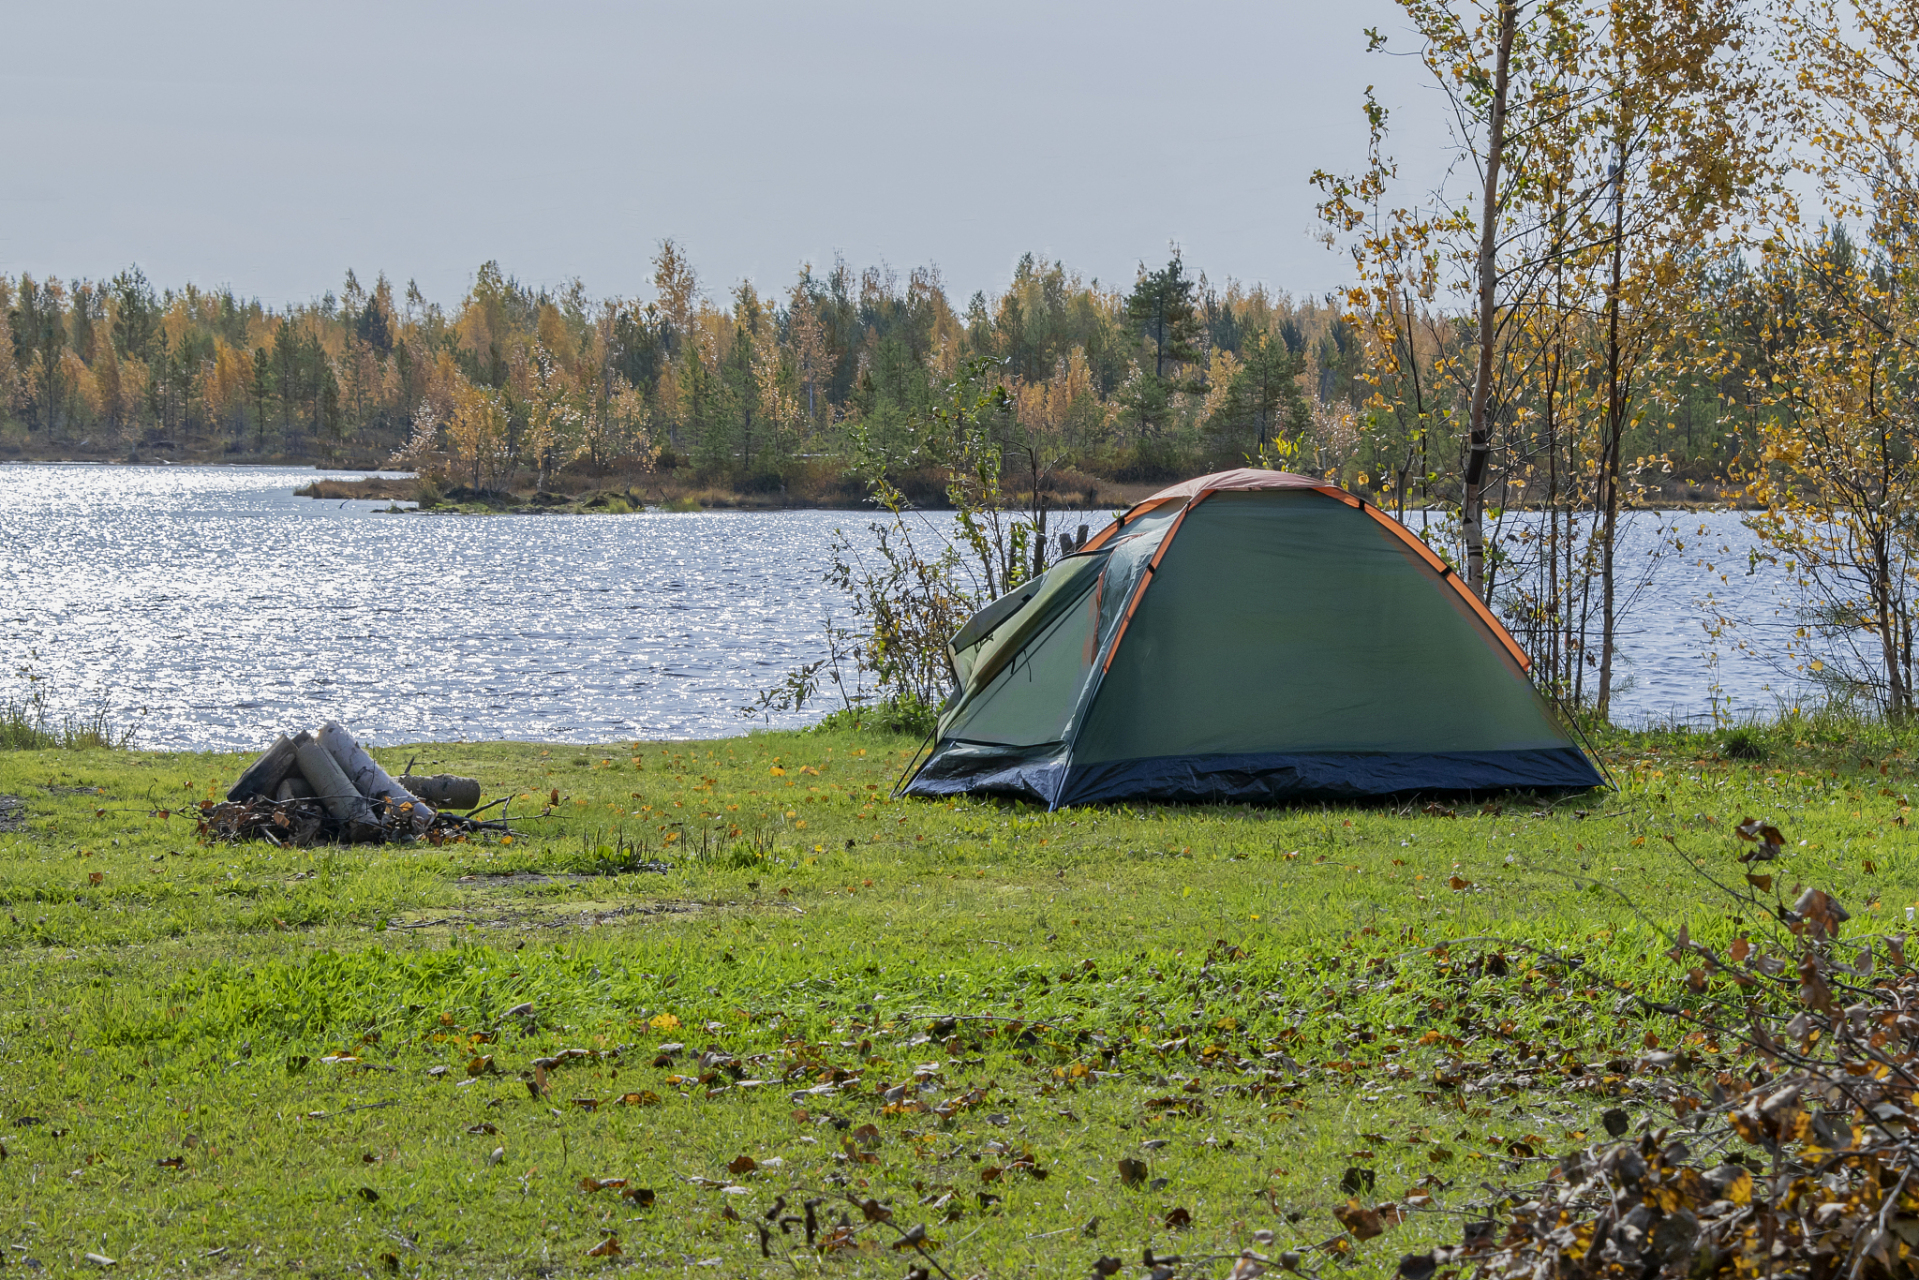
point(895, 715)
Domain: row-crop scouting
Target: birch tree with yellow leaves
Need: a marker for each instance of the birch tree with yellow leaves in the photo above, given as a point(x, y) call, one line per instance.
point(552, 414)
point(1608, 146)
point(1835, 473)
point(476, 433)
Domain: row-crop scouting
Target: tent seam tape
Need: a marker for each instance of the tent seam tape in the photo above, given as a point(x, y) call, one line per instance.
point(1127, 620)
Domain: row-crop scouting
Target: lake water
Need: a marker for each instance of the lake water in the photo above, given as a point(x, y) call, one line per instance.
point(209, 608)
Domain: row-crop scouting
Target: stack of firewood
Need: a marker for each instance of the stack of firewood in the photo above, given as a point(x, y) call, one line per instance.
point(323, 787)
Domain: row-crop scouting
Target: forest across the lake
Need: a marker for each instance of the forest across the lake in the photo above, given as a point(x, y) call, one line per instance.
point(736, 389)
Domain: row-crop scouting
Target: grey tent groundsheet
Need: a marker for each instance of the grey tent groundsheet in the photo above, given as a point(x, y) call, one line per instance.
point(1265, 642)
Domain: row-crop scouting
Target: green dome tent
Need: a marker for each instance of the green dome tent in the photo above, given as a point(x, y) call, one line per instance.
point(1246, 636)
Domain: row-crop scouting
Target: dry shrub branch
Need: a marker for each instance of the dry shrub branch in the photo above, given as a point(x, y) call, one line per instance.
point(1805, 1165)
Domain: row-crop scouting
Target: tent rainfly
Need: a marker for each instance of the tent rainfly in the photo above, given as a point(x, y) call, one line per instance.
point(1246, 636)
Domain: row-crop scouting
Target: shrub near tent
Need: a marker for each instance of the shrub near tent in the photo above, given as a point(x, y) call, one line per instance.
point(1245, 636)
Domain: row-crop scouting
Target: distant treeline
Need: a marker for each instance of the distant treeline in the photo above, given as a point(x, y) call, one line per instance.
point(1167, 376)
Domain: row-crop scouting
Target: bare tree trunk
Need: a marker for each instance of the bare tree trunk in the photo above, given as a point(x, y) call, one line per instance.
point(1905, 652)
point(1885, 621)
point(1558, 662)
point(1472, 510)
point(1609, 464)
point(1551, 506)
point(1419, 402)
point(1036, 513)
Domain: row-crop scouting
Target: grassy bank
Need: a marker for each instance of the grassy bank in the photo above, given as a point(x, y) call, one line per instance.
point(1049, 1038)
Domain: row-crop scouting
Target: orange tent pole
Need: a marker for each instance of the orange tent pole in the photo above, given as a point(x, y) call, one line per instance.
point(1152, 568)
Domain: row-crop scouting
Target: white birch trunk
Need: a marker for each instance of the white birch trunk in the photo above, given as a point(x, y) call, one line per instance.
point(368, 778)
point(447, 790)
point(266, 773)
point(341, 798)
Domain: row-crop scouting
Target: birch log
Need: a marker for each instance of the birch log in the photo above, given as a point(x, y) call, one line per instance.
point(266, 773)
point(341, 798)
point(367, 777)
point(294, 787)
point(447, 790)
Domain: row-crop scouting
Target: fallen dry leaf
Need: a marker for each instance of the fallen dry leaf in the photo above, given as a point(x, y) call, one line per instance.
point(1364, 1223)
point(590, 1185)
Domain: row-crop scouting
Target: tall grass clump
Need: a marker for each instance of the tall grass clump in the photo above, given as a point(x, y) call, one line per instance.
point(21, 729)
point(1743, 742)
point(27, 723)
point(1847, 723)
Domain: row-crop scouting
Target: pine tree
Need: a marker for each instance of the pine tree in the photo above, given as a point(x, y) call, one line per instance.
point(1263, 404)
point(1162, 304)
point(261, 389)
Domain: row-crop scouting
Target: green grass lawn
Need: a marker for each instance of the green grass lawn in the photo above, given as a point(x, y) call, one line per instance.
point(1049, 1038)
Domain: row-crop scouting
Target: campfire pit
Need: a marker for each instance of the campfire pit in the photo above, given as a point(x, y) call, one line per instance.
point(323, 788)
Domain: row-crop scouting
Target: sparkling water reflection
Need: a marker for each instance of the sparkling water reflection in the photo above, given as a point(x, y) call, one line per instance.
point(1669, 564)
point(208, 606)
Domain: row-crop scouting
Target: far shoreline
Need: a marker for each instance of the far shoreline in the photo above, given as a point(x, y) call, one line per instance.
point(584, 492)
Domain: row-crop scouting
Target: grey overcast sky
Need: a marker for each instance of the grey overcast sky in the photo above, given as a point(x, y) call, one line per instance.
point(271, 145)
